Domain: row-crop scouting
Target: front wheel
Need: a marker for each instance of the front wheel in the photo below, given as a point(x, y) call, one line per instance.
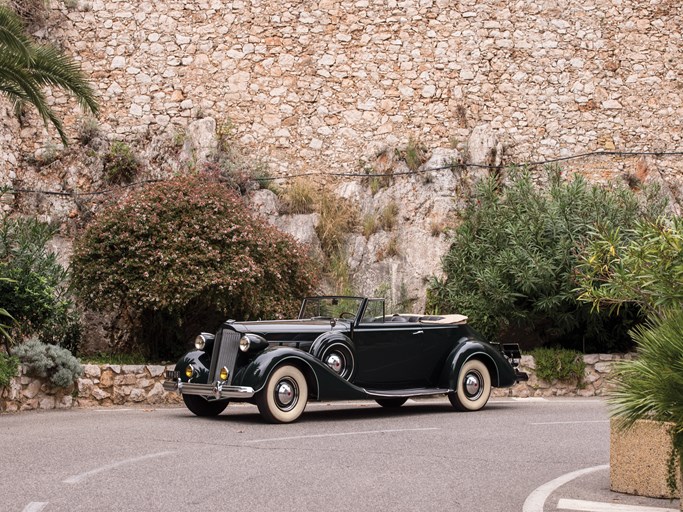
point(473, 387)
point(203, 407)
point(284, 396)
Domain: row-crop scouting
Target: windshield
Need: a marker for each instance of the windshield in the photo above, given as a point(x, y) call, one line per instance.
point(331, 307)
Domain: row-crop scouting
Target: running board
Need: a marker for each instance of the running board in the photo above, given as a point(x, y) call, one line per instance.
point(396, 393)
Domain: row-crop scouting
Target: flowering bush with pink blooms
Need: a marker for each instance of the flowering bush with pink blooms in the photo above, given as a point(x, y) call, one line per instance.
point(181, 255)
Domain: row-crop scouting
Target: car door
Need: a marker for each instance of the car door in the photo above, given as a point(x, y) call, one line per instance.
point(399, 354)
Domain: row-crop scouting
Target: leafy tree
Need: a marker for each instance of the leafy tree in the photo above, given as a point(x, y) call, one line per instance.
point(512, 262)
point(182, 255)
point(33, 284)
point(27, 67)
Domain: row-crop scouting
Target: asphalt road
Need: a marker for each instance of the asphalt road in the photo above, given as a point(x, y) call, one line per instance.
point(343, 456)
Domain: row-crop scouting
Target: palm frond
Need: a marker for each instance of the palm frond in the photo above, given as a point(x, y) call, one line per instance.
point(25, 68)
point(50, 67)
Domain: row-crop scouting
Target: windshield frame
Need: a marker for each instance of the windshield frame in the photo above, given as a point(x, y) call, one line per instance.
point(331, 306)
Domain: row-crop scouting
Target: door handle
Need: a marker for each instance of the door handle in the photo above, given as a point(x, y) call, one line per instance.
point(418, 332)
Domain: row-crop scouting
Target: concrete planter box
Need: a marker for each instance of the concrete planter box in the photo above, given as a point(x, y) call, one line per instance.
point(638, 460)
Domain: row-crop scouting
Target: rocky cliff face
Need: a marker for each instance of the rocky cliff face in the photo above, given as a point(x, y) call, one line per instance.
point(321, 86)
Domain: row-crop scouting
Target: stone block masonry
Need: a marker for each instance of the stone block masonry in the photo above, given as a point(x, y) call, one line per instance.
point(100, 385)
point(112, 385)
point(312, 86)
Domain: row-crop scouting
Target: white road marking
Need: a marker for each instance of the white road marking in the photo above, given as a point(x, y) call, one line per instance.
point(596, 506)
point(529, 399)
point(367, 432)
point(536, 500)
point(570, 422)
point(35, 506)
point(82, 476)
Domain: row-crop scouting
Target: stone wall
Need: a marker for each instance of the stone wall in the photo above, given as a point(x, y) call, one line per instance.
point(314, 86)
point(110, 385)
point(595, 382)
point(101, 385)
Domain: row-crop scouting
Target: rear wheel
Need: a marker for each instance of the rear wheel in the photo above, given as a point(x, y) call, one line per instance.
point(284, 396)
point(203, 407)
point(473, 387)
point(391, 403)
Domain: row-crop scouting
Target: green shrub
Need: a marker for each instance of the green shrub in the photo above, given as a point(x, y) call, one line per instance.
point(414, 154)
point(234, 165)
point(388, 216)
point(182, 255)
point(88, 130)
point(49, 362)
point(34, 287)
point(559, 364)
point(369, 225)
point(513, 260)
point(641, 266)
point(338, 217)
point(8, 369)
point(5, 335)
point(120, 164)
point(299, 198)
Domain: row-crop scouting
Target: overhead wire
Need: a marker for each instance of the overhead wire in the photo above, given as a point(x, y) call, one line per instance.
point(454, 165)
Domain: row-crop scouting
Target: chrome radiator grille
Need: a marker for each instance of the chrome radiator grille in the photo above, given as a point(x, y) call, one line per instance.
point(225, 350)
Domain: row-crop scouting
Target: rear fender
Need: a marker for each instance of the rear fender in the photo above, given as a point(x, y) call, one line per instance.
point(501, 373)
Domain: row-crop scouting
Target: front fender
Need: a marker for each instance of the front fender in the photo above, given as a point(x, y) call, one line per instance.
point(323, 383)
point(200, 361)
point(502, 374)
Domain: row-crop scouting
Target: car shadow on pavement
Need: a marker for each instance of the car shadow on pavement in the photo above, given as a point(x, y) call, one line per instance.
point(338, 411)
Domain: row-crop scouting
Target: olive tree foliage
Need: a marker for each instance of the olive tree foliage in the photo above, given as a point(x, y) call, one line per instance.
point(182, 255)
point(511, 266)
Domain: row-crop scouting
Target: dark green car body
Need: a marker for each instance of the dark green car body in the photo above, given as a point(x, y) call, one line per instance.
point(342, 355)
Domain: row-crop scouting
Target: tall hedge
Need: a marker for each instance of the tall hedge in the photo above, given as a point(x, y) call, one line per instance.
point(187, 252)
point(512, 264)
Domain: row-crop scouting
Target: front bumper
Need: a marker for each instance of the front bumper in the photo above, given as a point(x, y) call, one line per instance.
point(217, 390)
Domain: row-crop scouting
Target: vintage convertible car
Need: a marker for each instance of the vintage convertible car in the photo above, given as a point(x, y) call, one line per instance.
point(341, 348)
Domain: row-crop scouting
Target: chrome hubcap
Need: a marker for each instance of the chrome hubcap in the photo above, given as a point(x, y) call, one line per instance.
point(335, 362)
point(286, 394)
point(472, 385)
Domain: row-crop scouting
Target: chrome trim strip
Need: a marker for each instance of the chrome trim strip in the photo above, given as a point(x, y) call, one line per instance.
point(400, 393)
point(209, 390)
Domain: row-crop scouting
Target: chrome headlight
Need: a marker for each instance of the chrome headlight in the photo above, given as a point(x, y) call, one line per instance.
point(245, 343)
point(204, 341)
point(200, 342)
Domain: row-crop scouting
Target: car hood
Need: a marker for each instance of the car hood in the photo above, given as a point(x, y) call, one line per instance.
point(289, 326)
